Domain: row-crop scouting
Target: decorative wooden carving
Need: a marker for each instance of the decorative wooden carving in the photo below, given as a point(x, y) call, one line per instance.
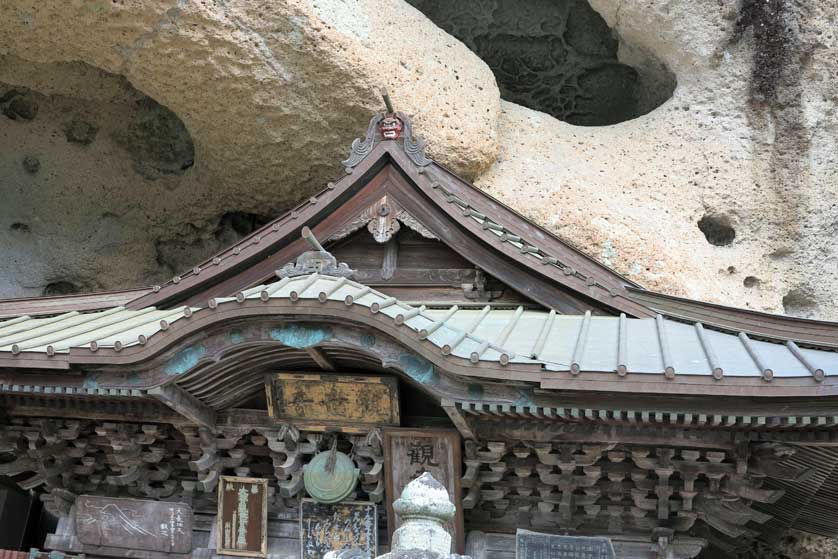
point(414, 147)
point(614, 488)
point(317, 260)
point(386, 126)
point(242, 516)
point(408, 453)
point(356, 403)
point(134, 524)
point(344, 525)
point(382, 219)
point(611, 488)
point(361, 147)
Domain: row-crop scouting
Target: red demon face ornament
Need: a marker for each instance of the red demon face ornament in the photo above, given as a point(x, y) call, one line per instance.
point(391, 127)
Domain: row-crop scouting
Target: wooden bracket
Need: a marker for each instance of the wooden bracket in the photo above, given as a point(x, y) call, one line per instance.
point(185, 404)
point(458, 419)
point(320, 358)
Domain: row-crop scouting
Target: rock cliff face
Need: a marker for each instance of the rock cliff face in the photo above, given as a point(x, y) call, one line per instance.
point(691, 145)
point(139, 137)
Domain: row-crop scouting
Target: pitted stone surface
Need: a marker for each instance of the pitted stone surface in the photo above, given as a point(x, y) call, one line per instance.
point(556, 57)
point(271, 95)
point(250, 107)
point(633, 195)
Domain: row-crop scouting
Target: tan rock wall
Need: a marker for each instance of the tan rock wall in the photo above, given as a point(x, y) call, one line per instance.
point(271, 94)
point(632, 194)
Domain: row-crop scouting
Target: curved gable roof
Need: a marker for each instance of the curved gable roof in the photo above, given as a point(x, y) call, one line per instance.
point(460, 214)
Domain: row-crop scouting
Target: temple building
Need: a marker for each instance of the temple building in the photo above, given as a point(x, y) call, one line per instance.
point(274, 400)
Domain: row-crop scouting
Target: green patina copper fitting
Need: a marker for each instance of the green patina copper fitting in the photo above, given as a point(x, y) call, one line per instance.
point(330, 487)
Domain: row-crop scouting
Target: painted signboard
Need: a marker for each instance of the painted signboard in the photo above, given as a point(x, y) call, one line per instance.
point(134, 524)
point(242, 516)
point(410, 452)
point(320, 401)
point(331, 527)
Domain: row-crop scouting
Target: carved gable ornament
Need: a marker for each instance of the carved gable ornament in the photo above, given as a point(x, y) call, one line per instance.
point(383, 219)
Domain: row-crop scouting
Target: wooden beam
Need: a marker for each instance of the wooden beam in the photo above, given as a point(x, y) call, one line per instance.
point(185, 404)
point(320, 358)
point(457, 419)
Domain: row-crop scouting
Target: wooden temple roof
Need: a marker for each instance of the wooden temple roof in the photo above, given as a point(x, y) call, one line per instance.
point(519, 341)
point(584, 400)
point(588, 328)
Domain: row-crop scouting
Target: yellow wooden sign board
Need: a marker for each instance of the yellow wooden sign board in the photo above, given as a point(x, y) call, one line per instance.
point(326, 401)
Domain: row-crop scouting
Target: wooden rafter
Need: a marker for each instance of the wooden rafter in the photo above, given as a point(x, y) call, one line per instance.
point(185, 404)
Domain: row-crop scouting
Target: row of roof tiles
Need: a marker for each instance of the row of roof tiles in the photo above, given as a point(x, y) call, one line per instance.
point(574, 343)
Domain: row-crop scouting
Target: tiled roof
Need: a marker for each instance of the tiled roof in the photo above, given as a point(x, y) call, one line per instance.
point(575, 343)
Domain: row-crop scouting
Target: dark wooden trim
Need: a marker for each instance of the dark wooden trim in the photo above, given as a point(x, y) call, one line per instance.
point(273, 237)
point(36, 306)
point(167, 343)
point(527, 230)
point(498, 261)
point(185, 404)
point(817, 333)
point(279, 241)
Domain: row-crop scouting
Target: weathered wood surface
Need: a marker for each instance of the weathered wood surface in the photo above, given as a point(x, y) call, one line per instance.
point(314, 400)
point(410, 452)
point(242, 516)
point(482, 545)
point(134, 524)
point(533, 545)
point(345, 525)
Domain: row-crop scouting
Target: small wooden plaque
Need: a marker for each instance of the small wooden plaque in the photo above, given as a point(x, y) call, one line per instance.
point(410, 452)
point(134, 524)
point(319, 402)
point(242, 516)
point(344, 525)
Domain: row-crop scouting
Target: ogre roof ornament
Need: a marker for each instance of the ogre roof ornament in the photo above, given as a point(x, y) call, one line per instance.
point(391, 125)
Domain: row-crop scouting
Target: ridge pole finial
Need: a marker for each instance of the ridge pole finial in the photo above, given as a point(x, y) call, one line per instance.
point(387, 103)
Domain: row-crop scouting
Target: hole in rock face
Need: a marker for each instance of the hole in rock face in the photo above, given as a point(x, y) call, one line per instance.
point(717, 229)
point(61, 288)
point(751, 281)
point(157, 140)
point(557, 57)
point(194, 244)
point(799, 302)
point(240, 223)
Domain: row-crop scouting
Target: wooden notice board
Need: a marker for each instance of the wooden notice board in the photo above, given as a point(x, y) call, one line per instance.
point(242, 516)
point(410, 452)
point(134, 524)
point(331, 527)
point(534, 545)
point(323, 401)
